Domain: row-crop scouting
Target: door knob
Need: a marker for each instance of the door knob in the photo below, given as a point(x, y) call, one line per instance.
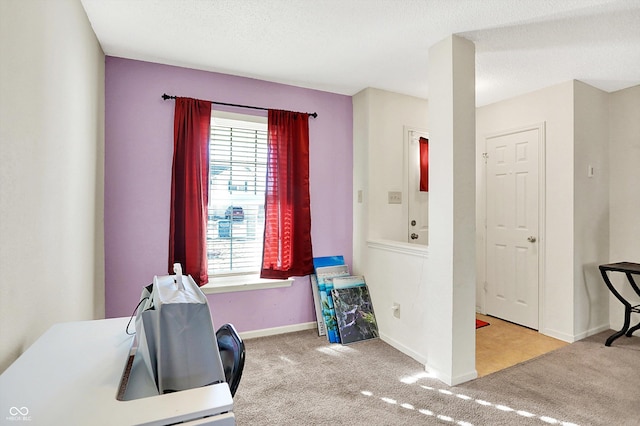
point(414, 236)
point(531, 239)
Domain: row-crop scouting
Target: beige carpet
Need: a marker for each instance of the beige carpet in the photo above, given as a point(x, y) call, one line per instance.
point(299, 379)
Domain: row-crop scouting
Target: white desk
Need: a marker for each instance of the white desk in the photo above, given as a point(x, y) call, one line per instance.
point(70, 376)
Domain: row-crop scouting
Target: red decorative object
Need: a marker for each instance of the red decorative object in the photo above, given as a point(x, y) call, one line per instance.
point(287, 229)
point(480, 323)
point(190, 188)
point(424, 164)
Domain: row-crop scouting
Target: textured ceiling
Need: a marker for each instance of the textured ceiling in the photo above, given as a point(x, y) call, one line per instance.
point(344, 46)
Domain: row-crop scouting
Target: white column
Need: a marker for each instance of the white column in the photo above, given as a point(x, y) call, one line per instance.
point(450, 316)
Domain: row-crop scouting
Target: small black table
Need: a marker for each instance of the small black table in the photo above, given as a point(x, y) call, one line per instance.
point(628, 269)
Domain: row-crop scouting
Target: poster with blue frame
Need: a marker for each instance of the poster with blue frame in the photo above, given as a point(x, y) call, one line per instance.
point(319, 262)
point(325, 275)
point(324, 300)
point(317, 303)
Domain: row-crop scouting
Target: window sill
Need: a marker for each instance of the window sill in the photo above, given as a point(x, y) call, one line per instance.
point(242, 283)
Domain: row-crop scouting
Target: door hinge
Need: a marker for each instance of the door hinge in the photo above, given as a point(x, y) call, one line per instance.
point(485, 287)
point(485, 156)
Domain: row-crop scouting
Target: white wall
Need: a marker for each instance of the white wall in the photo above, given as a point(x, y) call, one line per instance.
point(624, 192)
point(51, 174)
point(450, 284)
point(381, 117)
point(554, 107)
point(591, 209)
point(396, 273)
point(573, 300)
point(393, 268)
point(578, 126)
point(435, 323)
point(361, 129)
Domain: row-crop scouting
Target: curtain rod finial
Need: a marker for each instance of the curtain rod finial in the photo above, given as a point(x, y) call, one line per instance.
point(165, 96)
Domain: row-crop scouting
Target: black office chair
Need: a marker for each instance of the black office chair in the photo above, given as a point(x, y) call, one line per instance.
point(231, 349)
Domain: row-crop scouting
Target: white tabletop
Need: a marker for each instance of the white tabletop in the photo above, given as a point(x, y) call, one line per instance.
point(70, 376)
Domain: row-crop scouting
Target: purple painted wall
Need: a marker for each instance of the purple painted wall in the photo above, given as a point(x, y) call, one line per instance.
point(138, 156)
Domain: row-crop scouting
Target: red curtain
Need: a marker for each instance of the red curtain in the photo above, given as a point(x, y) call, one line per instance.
point(287, 232)
point(190, 188)
point(424, 164)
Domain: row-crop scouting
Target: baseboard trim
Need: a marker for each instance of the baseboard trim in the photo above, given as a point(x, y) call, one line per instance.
point(575, 337)
point(278, 330)
point(451, 380)
point(402, 348)
point(592, 331)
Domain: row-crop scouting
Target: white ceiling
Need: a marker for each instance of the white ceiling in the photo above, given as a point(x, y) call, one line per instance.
point(344, 46)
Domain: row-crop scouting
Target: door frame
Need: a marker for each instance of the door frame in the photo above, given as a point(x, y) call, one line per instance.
point(481, 284)
point(407, 131)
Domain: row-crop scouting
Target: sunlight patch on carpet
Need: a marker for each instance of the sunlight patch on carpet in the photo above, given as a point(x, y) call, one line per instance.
point(409, 380)
point(328, 351)
point(343, 348)
point(504, 408)
point(445, 418)
point(501, 407)
point(420, 410)
point(336, 350)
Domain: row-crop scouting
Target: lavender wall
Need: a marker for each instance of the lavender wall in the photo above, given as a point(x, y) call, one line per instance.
point(138, 156)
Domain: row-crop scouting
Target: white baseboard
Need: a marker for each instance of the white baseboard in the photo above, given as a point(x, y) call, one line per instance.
point(278, 330)
point(402, 348)
point(592, 331)
point(451, 380)
point(570, 338)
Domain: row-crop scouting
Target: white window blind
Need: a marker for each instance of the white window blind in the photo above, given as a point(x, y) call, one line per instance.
point(237, 171)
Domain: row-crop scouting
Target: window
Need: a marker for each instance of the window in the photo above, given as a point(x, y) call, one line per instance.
point(237, 178)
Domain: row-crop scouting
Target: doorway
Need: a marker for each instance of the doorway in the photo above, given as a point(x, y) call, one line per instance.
point(418, 198)
point(514, 227)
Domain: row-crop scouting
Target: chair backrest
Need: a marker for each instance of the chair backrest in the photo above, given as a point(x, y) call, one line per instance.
point(231, 349)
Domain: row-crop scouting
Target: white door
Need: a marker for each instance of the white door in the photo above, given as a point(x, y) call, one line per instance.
point(512, 227)
point(418, 226)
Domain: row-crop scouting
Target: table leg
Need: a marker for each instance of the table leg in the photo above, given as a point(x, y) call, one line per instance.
point(627, 308)
point(632, 329)
point(635, 288)
point(625, 327)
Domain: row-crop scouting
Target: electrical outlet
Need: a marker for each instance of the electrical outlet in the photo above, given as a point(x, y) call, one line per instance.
point(395, 197)
point(396, 310)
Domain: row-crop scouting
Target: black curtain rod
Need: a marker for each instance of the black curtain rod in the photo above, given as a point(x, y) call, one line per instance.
point(165, 97)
